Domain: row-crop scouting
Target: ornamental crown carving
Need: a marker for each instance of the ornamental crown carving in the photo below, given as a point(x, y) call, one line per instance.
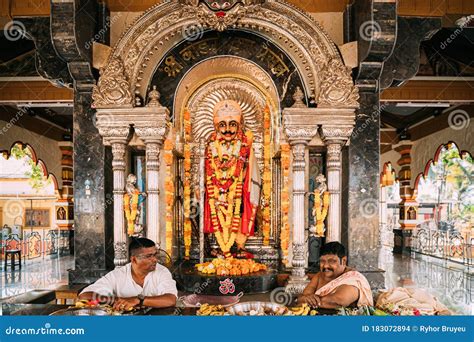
point(113, 88)
point(337, 88)
point(220, 14)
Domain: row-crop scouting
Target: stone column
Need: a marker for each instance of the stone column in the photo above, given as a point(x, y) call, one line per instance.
point(115, 134)
point(118, 167)
point(151, 125)
point(153, 148)
point(334, 138)
point(299, 132)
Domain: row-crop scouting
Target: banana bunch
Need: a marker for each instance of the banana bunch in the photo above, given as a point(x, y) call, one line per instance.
point(211, 310)
point(303, 310)
point(81, 304)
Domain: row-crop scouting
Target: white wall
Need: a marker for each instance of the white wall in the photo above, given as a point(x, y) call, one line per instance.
point(46, 149)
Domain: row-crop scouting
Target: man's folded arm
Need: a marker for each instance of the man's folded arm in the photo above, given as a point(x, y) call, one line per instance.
point(344, 296)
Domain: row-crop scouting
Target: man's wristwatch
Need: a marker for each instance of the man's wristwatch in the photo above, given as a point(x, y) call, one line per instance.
point(141, 298)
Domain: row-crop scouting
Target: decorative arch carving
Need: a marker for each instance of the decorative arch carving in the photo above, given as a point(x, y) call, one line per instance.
point(164, 25)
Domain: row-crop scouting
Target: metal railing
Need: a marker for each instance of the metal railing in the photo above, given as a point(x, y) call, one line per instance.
point(445, 244)
point(35, 244)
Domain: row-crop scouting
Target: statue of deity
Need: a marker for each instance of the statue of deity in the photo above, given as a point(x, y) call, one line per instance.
point(132, 205)
point(232, 180)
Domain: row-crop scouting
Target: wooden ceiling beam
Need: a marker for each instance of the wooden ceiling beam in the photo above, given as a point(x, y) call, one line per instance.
point(431, 91)
point(33, 91)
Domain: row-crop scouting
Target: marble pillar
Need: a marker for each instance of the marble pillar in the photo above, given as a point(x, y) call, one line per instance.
point(153, 148)
point(118, 167)
point(299, 132)
point(363, 190)
point(89, 208)
point(334, 138)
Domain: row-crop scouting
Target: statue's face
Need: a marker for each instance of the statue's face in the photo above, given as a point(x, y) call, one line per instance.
point(228, 129)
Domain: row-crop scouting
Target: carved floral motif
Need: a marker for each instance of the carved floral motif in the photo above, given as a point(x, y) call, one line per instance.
point(113, 88)
point(337, 88)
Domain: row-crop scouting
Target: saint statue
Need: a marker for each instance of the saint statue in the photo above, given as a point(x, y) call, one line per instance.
point(132, 202)
point(232, 180)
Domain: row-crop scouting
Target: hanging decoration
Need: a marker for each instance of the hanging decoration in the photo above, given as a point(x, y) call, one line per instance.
point(285, 201)
point(169, 193)
point(267, 177)
point(187, 184)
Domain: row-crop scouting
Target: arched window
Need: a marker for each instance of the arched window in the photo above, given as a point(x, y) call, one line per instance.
point(447, 185)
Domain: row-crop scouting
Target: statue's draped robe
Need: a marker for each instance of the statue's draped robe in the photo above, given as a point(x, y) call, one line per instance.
point(250, 198)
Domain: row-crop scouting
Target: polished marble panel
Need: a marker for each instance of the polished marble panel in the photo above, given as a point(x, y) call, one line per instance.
point(39, 274)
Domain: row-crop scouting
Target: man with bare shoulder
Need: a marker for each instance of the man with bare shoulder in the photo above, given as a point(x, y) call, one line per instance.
point(336, 285)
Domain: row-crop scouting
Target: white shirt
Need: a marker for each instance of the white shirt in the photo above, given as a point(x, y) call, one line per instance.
point(120, 283)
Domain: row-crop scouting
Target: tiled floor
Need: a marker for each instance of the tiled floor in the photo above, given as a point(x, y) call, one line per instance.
point(448, 282)
point(451, 283)
point(35, 274)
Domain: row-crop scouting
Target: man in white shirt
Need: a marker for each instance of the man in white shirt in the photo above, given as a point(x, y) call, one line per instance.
point(142, 282)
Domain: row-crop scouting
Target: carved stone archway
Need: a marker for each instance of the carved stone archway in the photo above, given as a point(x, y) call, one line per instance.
point(133, 59)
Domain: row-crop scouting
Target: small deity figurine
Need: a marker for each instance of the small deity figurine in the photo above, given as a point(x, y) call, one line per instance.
point(132, 201)
point(320, 207)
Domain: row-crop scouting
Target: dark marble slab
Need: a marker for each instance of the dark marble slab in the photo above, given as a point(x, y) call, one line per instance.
point(189, 280)
point(89, 199)
point(362, 233)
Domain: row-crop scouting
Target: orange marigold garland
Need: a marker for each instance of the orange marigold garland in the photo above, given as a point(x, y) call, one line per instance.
point(169, 193)
point(187, 183)
point(130, 207)
point(267, 176)
point(285, 201)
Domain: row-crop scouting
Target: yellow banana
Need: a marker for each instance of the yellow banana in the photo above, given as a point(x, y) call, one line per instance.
point(306, 310)
point(313, 313)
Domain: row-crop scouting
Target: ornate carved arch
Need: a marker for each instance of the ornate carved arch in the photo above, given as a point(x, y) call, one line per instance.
point(143, 45)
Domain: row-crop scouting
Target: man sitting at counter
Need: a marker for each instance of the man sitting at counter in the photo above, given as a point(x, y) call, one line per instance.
point(142, 282)
point(336, 285)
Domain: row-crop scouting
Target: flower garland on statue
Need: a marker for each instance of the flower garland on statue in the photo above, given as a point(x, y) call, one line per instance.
point(169, 193)
point(187, 184)
point(320, 211)
point(285, 201)
point(266, 176)
point(130, 207)
point(225, 171)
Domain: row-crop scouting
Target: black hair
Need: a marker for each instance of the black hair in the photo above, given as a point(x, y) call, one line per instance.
point(138, 243)
point(334, 247)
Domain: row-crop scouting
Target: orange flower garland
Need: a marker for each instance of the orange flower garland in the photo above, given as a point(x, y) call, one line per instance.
point(267, 176)
point(169, 193)
point(320, 211)
point(285, 201)
point(130, 207)
point(187, 183)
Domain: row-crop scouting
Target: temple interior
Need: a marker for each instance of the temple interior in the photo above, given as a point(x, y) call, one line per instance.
point(241, 137)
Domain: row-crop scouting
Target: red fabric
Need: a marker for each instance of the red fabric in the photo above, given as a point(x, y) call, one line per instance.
point(247, 213)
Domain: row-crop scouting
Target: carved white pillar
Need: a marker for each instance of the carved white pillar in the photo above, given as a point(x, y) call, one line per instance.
point(115, 134)
point(118, 167)
point(299, 131)
point(152, 189)
point(152, 128)
point(334, 138)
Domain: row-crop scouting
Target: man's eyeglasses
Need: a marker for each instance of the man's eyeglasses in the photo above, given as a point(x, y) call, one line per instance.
point(155, 255)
